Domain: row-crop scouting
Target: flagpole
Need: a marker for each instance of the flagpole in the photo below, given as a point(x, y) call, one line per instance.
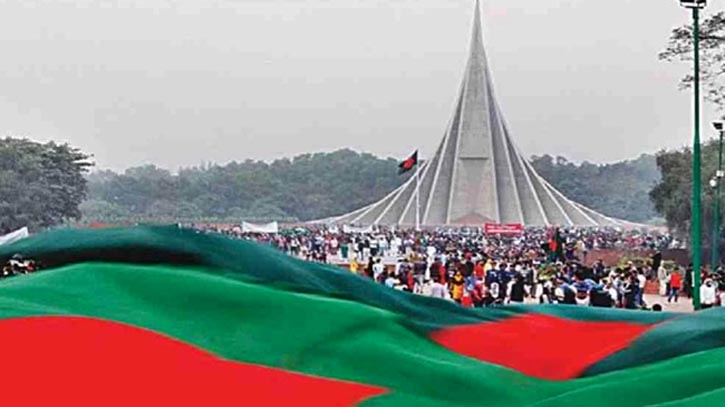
point(417, 197)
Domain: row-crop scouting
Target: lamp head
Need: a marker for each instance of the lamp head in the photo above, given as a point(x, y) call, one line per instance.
point(717, 125)
point(693, 3)
point(713, 183)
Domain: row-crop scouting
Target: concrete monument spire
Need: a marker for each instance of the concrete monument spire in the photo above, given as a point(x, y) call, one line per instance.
point(477, 174)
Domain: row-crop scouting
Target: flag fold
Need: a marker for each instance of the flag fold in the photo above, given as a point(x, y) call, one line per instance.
point(165, 315)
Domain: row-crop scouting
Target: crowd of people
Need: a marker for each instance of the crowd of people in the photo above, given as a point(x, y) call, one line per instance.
point(466, 266)
point(335, 245)
point(544, 265)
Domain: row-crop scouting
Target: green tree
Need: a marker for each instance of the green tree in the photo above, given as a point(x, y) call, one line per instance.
point(41, 185)
point(712, 56)
point(672, 194)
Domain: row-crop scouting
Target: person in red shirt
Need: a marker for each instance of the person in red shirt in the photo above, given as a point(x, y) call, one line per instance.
point(466, 300)
point(477, 294)
point(675, 286)
point(479, 271)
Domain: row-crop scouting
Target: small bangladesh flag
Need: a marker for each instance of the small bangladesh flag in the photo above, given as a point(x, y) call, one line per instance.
point(165, 316)
point(556, 246)
point(408, 164)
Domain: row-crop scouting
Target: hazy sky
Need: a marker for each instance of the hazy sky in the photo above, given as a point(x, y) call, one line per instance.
point(181, 82)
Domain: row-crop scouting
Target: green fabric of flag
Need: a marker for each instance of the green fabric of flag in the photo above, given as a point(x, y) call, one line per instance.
point(170, 316)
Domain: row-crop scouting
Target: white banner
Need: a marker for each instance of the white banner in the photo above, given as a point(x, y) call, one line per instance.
point(361, 230)
point(13, 237)
point(272, 227)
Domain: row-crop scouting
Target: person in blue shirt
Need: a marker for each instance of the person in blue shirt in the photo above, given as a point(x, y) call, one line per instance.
point(492, 276)
point(505, 278)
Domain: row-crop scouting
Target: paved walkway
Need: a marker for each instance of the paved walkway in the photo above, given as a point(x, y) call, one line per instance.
point(684, 304)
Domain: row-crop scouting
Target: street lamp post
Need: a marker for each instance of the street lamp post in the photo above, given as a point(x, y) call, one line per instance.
point(696, 225)
point(715, 250)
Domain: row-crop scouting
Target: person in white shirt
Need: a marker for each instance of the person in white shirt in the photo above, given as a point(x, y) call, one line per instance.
point(438, 290)
point(708, 293)
point(384, 246)
point(378, 269)
point(611, 289)
point(395, 246)
point(430, 251)
point(374, 247)
point(391, 281)
point(662, 276)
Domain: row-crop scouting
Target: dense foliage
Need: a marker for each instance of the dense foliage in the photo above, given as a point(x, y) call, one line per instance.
point(712, 53)
point(41, 185)
point(672, 195)
point(309, 186)
point(620, 190)
point(314, 186)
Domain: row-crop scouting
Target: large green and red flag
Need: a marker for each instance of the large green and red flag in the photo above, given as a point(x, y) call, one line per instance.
point(164, 316)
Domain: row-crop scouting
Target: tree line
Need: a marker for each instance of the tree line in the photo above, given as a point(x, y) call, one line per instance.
point(306, 187)
point(315, 186)
point(43, 185)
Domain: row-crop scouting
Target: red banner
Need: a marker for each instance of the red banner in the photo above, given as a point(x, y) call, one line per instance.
point(510, 229)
